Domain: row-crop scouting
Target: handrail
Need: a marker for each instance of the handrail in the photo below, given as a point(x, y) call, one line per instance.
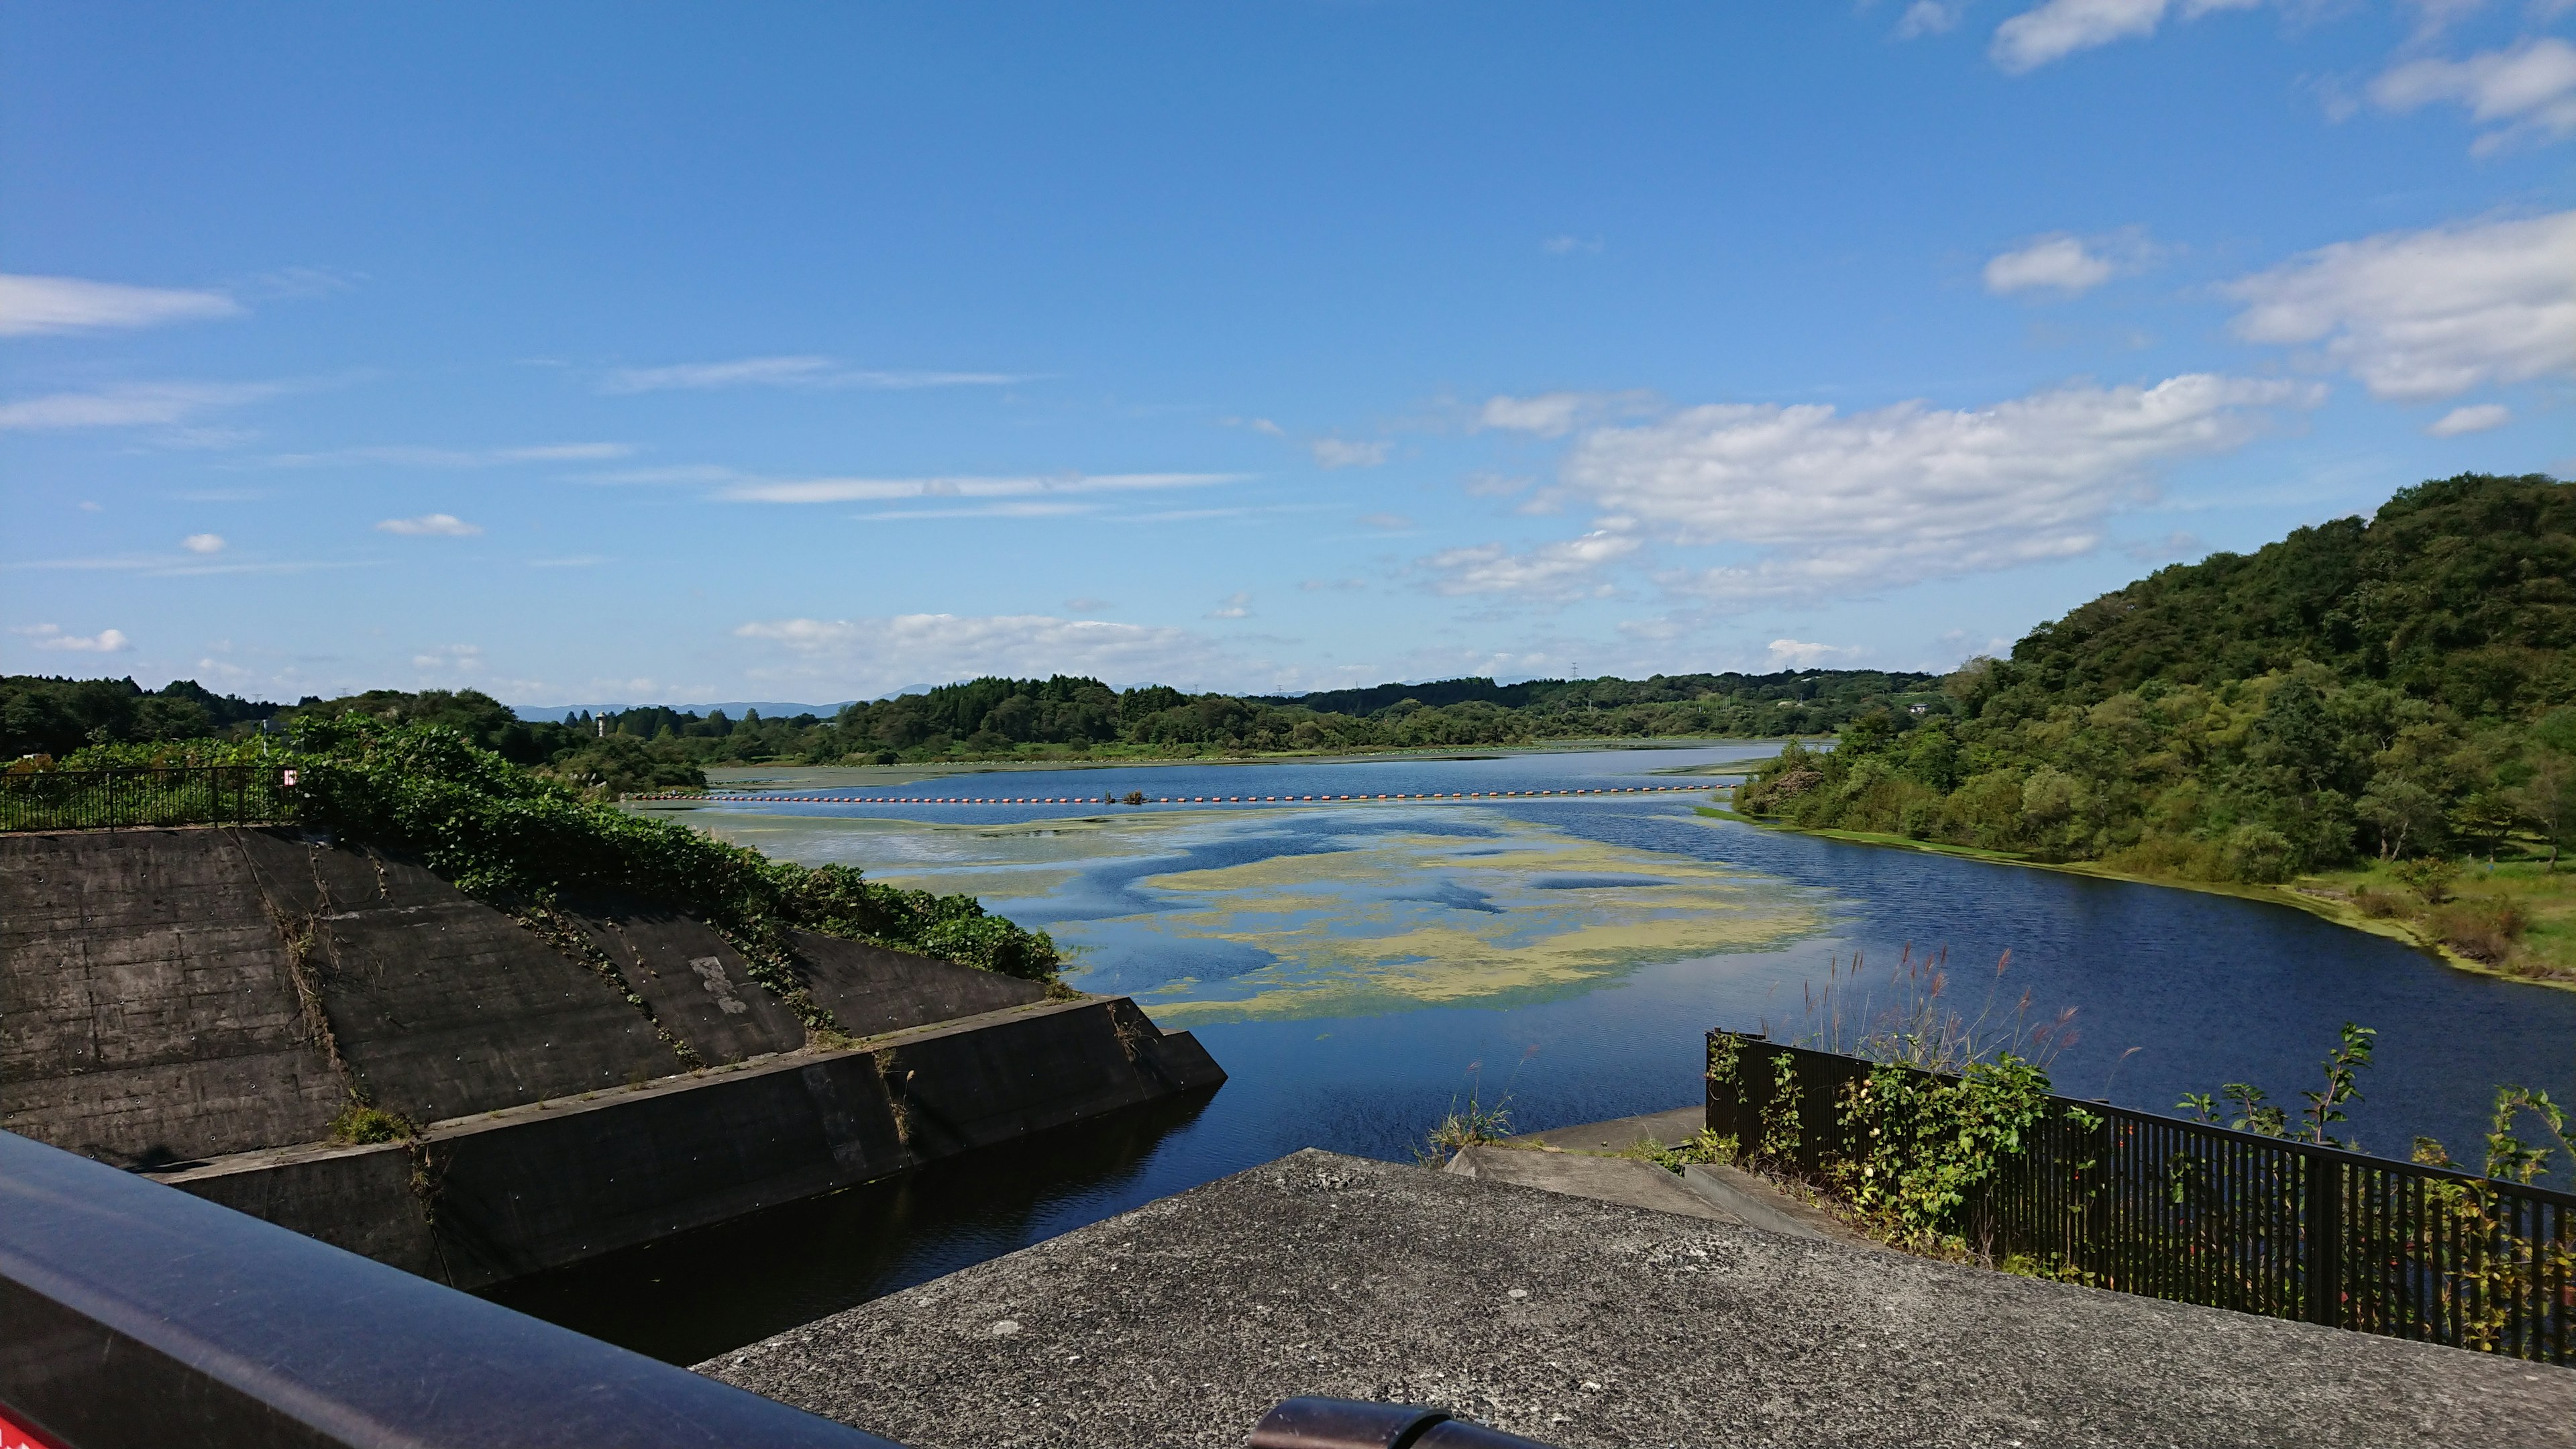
point(139, 1317)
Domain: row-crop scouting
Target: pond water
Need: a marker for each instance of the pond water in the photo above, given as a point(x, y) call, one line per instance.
point(1360, 969)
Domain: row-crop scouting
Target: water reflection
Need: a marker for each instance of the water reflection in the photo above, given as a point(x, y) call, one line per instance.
point(690, 1297)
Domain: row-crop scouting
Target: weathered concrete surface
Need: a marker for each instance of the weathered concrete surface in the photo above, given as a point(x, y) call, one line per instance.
point(480, 1199)
point(147, 1012)
point(439, 1004)
point(1726, 1193)
point(869, 989)
point(697, 984)
point(1622, 1180)
point(1584, 1324)
point(1665, 1129)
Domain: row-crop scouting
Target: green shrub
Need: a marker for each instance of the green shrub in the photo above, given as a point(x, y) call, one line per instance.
point(505, 834)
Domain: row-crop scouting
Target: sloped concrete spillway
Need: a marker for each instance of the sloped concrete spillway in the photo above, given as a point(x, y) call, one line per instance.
point(203, 1004)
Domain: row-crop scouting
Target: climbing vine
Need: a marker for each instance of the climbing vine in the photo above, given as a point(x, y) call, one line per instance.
point(520, 840)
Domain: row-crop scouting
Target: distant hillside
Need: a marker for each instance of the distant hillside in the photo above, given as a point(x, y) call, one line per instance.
point(1064, 717)
point(2394, 689)
point(2458, 591)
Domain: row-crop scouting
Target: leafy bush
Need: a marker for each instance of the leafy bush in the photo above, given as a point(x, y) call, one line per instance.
point(505, 834)
point(2483, 929)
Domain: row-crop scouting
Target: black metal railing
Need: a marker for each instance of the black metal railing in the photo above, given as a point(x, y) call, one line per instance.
point(2168, 1208)
point(119, 798)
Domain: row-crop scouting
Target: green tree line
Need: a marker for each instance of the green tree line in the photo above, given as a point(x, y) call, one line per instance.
point(1063, 717)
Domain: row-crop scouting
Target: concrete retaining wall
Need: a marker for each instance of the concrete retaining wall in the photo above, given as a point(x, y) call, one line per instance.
point(204, 1002)
point(481, 1199)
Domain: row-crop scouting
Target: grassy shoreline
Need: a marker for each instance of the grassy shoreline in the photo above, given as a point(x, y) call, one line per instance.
point(2304, 894)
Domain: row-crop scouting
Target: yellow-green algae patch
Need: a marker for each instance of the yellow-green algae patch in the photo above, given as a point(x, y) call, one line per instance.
point(1405, 920)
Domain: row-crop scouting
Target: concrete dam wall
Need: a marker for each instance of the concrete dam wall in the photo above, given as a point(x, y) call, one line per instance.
point(205, 1004)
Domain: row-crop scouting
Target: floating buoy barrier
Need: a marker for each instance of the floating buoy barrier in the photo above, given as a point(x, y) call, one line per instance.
point(763, 798)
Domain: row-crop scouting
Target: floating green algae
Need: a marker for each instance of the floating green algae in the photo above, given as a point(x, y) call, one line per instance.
point(1418, 907)
point(1408, 920)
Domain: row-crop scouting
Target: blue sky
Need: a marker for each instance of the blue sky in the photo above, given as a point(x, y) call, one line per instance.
point(634, 353)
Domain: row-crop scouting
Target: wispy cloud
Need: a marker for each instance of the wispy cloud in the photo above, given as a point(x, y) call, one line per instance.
point(1828, 503)
point(51, 636)
point(1554, 414)
point(407, 456)
point(1569, 245)
point(888, 490)
point(31, 306)
point(2476, 418)
point(1795, 654)
point(1343, 453)
point(1236, 606)
point(795, 371)
point(2525, 92)
point(2066, 264)
point(2056, 29)
point(2419, 315)
point(206, 543)
point(140, 404)
point(866, 657)
point(430, 525)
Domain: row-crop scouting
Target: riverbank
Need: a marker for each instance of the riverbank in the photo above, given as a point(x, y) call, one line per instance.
point(2331, 897)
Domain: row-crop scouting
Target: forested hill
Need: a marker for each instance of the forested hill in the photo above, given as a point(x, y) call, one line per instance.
point(2389, 689)
point(1063, 717)
point(2457, 590)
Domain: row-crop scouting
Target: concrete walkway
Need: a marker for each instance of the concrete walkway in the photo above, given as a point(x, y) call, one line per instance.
point(1589, 1324)
point(1569, 1160)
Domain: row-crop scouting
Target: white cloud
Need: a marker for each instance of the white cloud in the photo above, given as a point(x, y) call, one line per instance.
point(2528, 90)
point(203, 543)
point(1878, 499)
point(1263, 426)
point(2056, 29)
point(2427, 314)
point(34, 305)
point(1929, 17)
point(130, 405)
point(888, 490)
point(1236, 606)
point(1340, 453)
point(431, 525)
point(2475, 418)
point(801, 371)
point(450, 659)
point(1391, 522)
point(1561, 246)
point(1794, 654)
point(2057, 262)
point(1554, 414)
point(866, 657)
point(405, 456)
point(51, 636)
point(1567, 569)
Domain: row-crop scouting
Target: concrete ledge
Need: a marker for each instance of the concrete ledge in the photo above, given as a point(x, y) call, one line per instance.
point(477, 1200)
point(1588, 1324)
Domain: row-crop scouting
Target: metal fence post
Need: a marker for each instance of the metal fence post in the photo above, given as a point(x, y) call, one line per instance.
point(2323, 1178)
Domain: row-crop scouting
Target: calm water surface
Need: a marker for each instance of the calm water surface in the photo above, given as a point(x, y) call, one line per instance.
point(1361, 969)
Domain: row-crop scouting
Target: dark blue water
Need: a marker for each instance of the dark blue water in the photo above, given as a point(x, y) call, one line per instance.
point(2206, 989)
